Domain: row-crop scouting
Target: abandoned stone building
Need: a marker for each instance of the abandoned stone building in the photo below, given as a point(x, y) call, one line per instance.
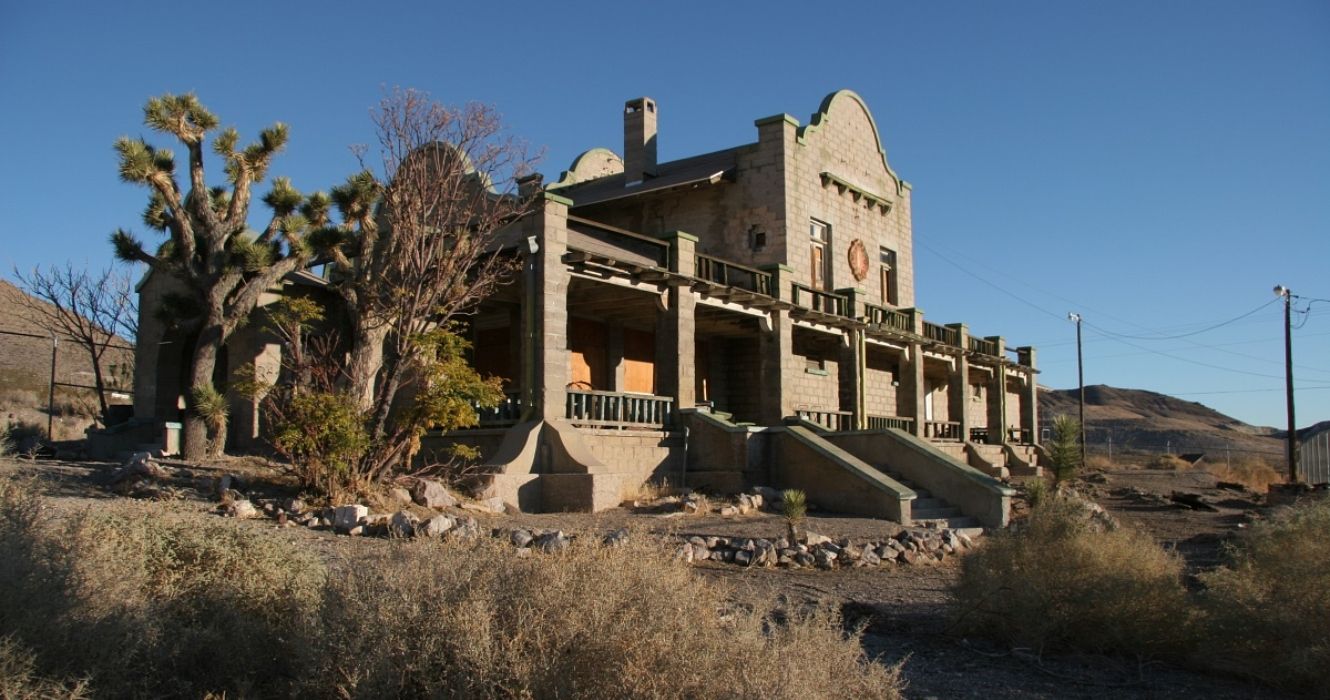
point(735, 318)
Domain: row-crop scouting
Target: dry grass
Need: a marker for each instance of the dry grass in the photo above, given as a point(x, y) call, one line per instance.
point(1268, 611)
point(146, 608)
point(453, 620)
point(1256, 474)
point(19, 679)
point(143, 607)
point(1170, 462)
point(1062, 582)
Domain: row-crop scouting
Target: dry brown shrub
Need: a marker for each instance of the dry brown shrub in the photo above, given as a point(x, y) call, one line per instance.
point(476, 620)
point(19, 679)
point(1098, 462)
point(147, 607)
point(1170, 462)
point(1252, 472)
point(1062, 581)
point(1267, 613)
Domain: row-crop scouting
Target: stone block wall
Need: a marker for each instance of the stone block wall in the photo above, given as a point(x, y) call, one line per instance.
point(641, 455)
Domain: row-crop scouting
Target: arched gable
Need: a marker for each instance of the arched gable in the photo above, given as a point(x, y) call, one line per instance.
point(844, 117)
point(590, 165)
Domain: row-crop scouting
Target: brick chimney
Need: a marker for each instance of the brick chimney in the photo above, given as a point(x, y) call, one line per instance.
point(639, 140)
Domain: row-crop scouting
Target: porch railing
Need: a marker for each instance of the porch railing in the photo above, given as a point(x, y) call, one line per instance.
point(733, 275)
point(612, 409)
point(887, 422)
point(942, 334)
point(819, 300)
point(508, 412)
point(982, 345)
point(979, 435)
point(890, 318)
point(1020, 436)
point(835, 421)
point(946, 430)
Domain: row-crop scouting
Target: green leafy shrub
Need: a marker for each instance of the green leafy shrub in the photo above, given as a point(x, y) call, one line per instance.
point(1066, 581)
point(1267, 613)
point(323, 435)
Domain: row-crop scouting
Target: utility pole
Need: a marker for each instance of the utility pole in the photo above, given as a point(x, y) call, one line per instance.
point(50, 394)
point(1282, 291)
point(1080, 380)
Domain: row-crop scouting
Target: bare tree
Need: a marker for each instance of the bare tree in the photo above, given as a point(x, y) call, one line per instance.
point(416, 248)
point(222, 264)
point(95, 311)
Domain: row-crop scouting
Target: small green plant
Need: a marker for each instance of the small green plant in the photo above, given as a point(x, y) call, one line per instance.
point(1065, 449)
point(211, 405)
point(794, 506)
point(1036, 491)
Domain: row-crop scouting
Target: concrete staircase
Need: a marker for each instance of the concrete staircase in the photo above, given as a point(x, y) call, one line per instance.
point(930, 511)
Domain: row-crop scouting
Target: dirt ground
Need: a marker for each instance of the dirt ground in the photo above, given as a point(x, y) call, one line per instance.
point(903, 609)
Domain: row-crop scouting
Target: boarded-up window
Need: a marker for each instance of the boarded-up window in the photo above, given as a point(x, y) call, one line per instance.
point(588, 354)
point(819, 235)
point(889, 276)
point(639, 361)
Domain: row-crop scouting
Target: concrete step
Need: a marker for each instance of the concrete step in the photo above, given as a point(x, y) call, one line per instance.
point(927, 503)
point(936, 513)
point(961, 524)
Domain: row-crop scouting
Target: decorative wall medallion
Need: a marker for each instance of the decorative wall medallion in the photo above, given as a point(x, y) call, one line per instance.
point(858, 260)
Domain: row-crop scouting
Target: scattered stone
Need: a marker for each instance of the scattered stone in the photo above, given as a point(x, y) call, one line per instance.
point(432, 494)
point(435, 526)
point(401, 495)
point(743, 557)
point(294, 506)
point(240, 509)
point(348, 518)
point(551, 542)
point(728, 511)
point(402, 524)
point(520, 538)
point(812, 539)
point(618, 538)
point(229, 482)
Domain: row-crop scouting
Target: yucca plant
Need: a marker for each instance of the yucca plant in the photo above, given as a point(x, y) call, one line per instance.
point(794, 506)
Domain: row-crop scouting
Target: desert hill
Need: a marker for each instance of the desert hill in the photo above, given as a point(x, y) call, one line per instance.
point(1146, 421)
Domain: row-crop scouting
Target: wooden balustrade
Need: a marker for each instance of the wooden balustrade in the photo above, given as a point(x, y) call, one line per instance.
point(508, 412)
point(732, 274)
point(876, 315)
point(983, 345)
point(888, 422)
point(942, 334)
point(945, 430)
point(612, 409)
point(835, 421)
point(819, 300)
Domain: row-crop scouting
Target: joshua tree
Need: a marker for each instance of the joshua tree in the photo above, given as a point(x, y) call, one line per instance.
point(1065, 449)
point(222, 266)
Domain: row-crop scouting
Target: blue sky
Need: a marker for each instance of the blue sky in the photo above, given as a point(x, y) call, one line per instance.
point(1155, 166)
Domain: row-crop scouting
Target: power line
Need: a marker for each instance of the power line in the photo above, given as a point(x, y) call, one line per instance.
point(1182, 335)
point(1195, 362)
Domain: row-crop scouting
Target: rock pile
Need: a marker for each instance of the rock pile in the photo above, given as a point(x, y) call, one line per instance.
point(814, 550)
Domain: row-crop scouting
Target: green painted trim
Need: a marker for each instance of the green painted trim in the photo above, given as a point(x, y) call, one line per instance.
point(820, 117)
point(874, 200)
point(776, 118)
point(818, 372)
point(551, 197)
point(677, 235)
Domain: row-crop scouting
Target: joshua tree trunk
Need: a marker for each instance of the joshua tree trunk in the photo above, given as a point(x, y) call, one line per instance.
point(366, 360)
point(195, 437)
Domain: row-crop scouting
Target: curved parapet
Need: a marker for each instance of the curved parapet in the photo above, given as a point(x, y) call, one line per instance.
point(843, 107)
point(591, 165)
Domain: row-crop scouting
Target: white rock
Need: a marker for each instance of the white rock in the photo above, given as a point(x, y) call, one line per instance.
point(347, 518)
point(432, 494)
point(241, 509)
point(435, 526)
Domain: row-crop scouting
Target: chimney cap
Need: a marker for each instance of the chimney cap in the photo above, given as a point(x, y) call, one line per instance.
point(639, 103)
